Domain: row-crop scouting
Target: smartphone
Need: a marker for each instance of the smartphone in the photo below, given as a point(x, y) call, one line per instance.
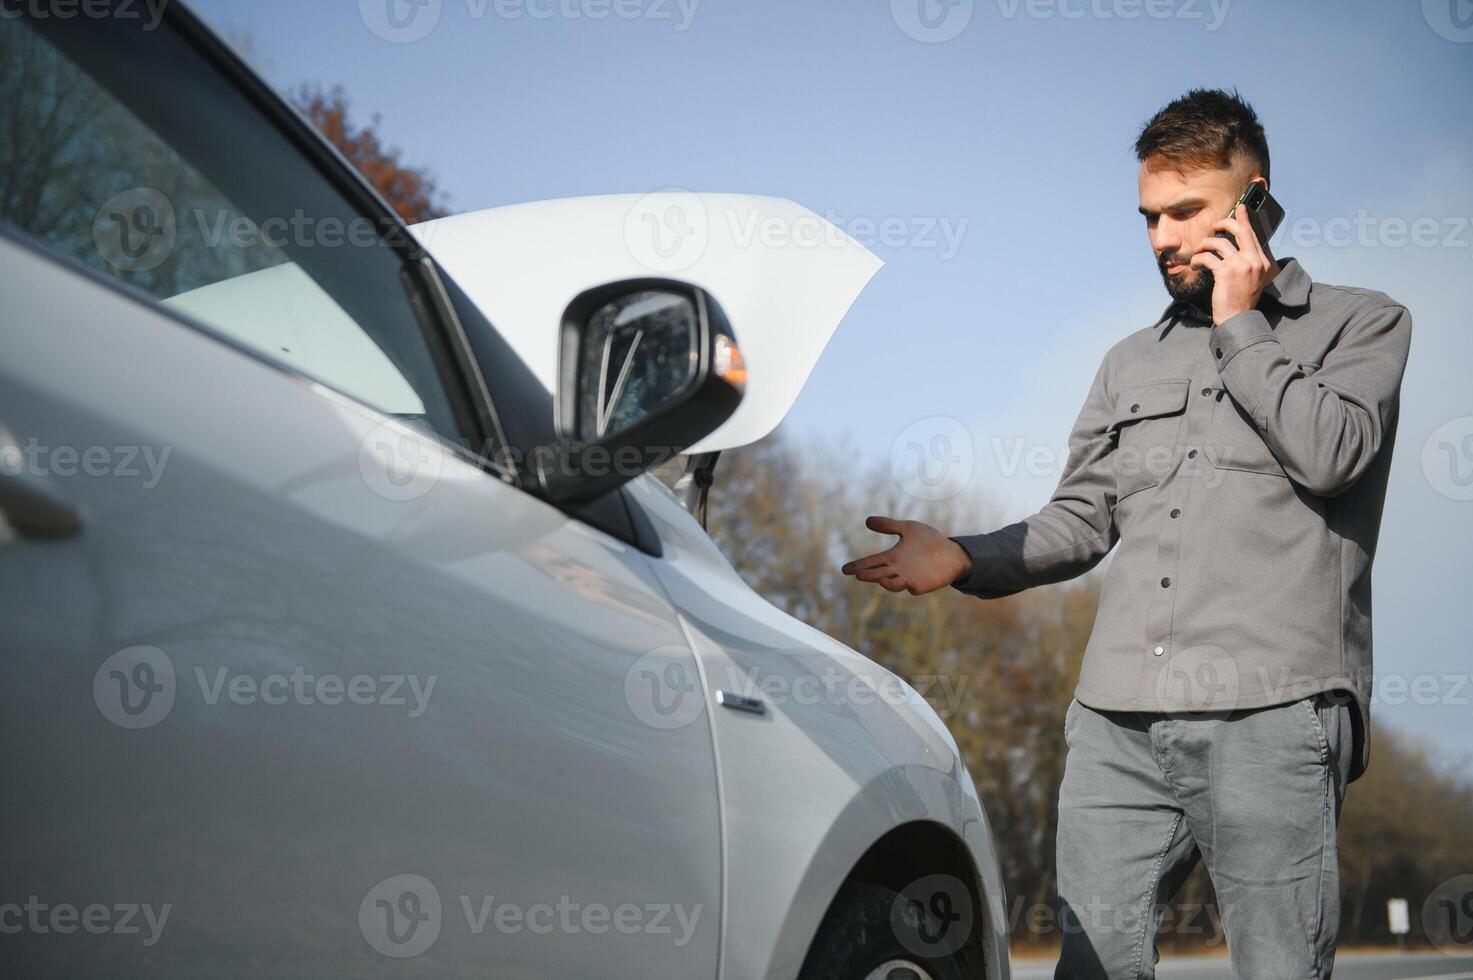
point(1264, 213)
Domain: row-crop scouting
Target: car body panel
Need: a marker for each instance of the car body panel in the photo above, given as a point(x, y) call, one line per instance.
point(271, 543)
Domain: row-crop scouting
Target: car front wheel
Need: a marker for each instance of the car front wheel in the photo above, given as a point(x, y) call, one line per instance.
point(875, 933)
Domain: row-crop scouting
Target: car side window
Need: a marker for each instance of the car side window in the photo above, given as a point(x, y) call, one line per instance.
point(124, 150)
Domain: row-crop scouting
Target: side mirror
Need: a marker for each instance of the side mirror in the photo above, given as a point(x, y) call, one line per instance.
point(646, 368)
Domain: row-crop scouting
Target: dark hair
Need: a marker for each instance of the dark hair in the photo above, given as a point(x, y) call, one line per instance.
point(1205, 128)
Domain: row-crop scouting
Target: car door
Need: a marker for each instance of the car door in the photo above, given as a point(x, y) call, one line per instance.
point(293, 683)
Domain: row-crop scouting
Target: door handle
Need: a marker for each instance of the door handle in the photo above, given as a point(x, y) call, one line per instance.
point(34, 510)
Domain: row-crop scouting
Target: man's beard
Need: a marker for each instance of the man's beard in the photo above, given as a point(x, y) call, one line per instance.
point(1196, 290)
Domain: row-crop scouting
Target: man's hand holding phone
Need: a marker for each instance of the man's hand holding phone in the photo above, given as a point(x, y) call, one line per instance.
point(922, 561)
point(1241, 267)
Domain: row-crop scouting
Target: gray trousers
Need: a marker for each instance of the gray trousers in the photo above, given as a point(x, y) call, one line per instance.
point(1255, 793)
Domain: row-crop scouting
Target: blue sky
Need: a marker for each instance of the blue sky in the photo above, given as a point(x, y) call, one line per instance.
point(1006, 127)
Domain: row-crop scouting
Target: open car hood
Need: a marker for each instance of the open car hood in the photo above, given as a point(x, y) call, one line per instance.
point(784, 276)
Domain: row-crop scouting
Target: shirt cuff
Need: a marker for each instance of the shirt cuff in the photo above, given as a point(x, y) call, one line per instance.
point(982, 551)
point(1237, 332)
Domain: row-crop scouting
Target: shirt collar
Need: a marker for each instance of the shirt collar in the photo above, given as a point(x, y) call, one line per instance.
point(1289, 289)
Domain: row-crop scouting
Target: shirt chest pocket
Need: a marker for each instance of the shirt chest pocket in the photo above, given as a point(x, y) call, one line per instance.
point(1147, 423)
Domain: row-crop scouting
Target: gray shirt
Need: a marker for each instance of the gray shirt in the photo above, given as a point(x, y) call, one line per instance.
point(1242, 469)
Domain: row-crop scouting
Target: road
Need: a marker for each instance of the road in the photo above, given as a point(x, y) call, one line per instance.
point(1348, 966)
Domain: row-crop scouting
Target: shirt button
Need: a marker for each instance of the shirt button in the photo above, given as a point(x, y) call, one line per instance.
point(1175, 512)
point(1192, 454)
point(1166, 583)
point(1136, 407)
point(1158, 650)
point(1218, 353)
point(1206, 391)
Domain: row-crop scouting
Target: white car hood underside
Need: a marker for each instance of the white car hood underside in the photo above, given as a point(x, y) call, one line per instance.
point(784, 276)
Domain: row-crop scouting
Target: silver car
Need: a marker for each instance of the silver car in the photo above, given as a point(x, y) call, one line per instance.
point(345, 631)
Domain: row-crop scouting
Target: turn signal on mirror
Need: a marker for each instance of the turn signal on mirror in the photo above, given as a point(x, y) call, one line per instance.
point(729, 365)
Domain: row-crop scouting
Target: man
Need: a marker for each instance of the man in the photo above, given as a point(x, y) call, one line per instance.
point(1237, 450)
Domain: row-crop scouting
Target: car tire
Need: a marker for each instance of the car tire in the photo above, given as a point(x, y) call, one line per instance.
point(862, 938)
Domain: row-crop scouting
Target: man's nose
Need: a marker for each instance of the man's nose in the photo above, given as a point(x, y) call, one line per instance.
point(1165, 238)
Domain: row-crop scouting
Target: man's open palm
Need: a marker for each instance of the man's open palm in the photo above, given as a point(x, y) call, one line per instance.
point(922, 561)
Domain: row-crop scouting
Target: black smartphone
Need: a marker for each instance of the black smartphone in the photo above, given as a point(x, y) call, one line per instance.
point(1264, 213)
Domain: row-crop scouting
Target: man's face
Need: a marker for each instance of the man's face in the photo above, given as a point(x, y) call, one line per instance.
point(1180, 208)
